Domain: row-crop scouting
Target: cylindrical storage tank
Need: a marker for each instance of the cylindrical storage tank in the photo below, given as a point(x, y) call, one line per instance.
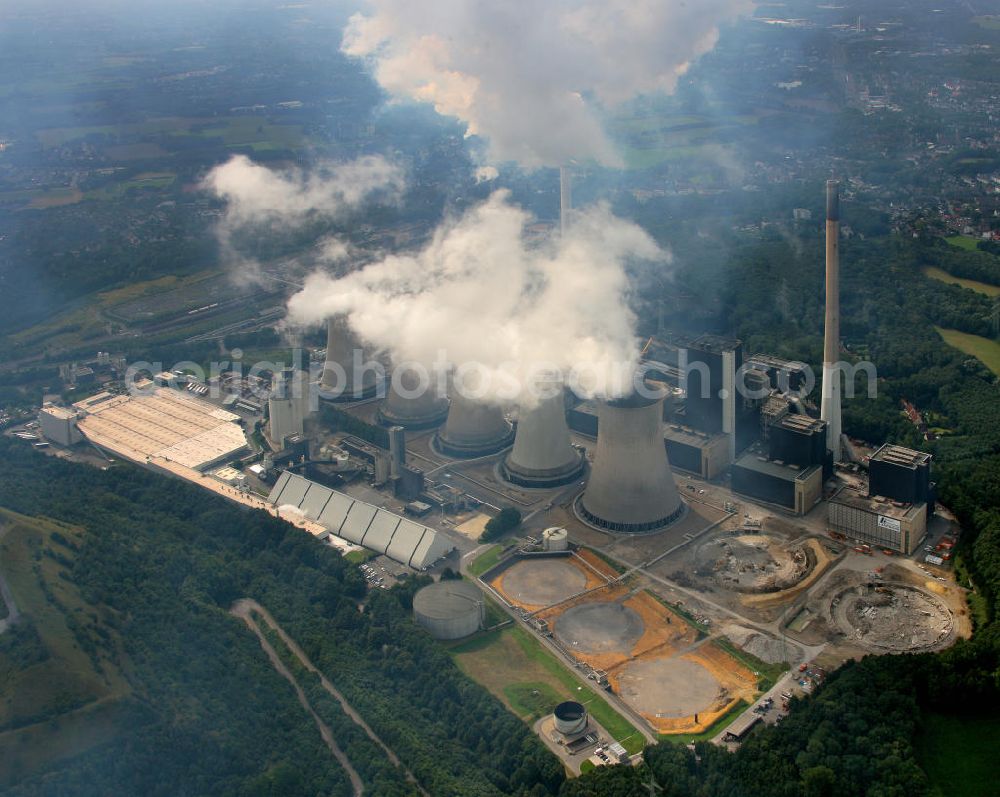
point(339, 381)
point(449, 609)
point(631, 487)
point(570, 718)
point(555, 539)
point(410, 406)
point(473, 429)
point(542, 455)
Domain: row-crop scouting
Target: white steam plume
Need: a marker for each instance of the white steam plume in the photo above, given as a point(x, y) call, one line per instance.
point(533, 77)
point(256, 194)
point(258, 197)
point(480, 294)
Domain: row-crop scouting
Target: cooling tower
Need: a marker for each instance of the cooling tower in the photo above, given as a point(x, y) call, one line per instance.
point(542, 455)
point(830, 406)
point(339, 381)
point(473, 429)
point(411, 407)
point(631, 487)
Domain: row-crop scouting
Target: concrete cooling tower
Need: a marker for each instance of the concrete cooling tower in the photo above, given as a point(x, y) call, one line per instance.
point(631, 487)
point(473, 429)
point(542, 455)
point(338, 381)
point(408, 406)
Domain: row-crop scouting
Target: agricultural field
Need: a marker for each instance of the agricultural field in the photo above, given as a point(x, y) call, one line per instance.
point(980, 287)
point(983, 349)
point(966, 242)
point(59, 692)
point(530, 681)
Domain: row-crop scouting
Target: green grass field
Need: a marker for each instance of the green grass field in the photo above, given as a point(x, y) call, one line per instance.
point(959, 754)
point(530, 681)
point(983, 349)
point(485, 560)
point(966, 242)
point(151, 181)
point(56, 700)
point(980, 287)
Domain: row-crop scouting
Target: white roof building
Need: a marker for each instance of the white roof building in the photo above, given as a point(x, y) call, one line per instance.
point(380, 530)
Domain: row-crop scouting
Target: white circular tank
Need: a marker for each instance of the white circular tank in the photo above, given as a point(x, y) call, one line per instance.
point(570, 718)
point(449, 609)
point(555, 539)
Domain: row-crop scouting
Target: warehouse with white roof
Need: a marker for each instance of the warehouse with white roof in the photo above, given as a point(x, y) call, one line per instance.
point(379, 530)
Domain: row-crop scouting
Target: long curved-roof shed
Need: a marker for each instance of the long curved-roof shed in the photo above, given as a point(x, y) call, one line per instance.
point(377, 529)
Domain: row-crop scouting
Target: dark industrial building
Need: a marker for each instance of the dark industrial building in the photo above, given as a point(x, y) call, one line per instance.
point(696, 452)
point(798, 440)
point(900, 474)
point(711, 365)
point(788, 376)
point(796, 488)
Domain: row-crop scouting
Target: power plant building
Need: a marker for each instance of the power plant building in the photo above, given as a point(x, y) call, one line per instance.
point(287, 406)
point(798, 440)
point(878, 521)
point(449, 609)
point(58, 425)
point(696, 452)
point(379, 530)
point(900, 474)
point(793, 487)
point(631, 487)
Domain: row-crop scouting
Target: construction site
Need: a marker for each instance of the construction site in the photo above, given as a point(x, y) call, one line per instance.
point(661, 665)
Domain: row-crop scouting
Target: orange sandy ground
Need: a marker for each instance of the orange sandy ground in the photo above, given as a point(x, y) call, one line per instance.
point(735, 680)
point(666, 635)
point(587, 567)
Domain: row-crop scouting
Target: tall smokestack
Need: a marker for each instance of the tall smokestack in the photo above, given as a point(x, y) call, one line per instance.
point(565, 197)
point(830, 408)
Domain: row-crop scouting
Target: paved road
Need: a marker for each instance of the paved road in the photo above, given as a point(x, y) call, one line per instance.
point(243, 609)
point(8, 597)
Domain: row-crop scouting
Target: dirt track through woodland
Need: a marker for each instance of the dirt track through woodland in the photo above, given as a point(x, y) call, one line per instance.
point(245, 609)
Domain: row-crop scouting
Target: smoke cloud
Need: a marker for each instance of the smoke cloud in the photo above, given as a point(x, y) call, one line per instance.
point(534, 78)
point(480, 293)
point(256, 194)
point(259, 198)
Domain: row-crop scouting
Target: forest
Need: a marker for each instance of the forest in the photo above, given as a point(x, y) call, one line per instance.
point(207, 714)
